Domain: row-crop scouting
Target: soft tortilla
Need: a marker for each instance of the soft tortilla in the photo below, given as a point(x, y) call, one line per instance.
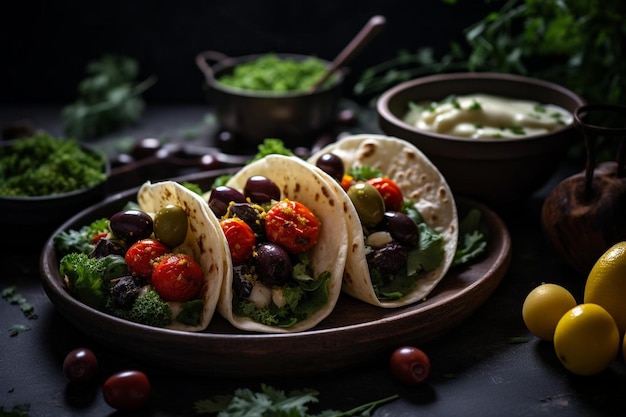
point(298, 182)
point(420, 181)
point(204, 241)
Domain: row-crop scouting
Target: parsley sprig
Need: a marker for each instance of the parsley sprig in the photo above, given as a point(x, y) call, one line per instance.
point(109, 97)
point(272, 402)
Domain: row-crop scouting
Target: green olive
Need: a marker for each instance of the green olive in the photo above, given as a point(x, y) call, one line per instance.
point(170, 225)
point(368, 202)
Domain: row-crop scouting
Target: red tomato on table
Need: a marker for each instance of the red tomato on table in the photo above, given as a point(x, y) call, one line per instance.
point(392, 195)
point(177, 277)
point(141, 256)
point(240, 237)
point(292, 225)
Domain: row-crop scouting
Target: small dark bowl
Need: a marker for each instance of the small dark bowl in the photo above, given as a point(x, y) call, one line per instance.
point(501, 172)
point(296, 117)
point(30, 220)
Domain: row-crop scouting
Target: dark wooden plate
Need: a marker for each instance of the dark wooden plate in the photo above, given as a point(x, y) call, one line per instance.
point(353, 333)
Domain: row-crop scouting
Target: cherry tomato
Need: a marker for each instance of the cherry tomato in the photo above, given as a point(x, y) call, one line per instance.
point(240, 237)
point(292, 225)
point(410, 365)
point(177, 277)
point(142, 255)
point(80, 365)
point(98, 237)
point(127, 390)
point(392, 195)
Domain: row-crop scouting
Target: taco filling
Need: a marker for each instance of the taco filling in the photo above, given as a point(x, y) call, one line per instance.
point(275, 217)
point(151, 262)
point(403, 219)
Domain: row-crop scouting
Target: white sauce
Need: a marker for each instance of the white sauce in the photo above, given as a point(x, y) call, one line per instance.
point(487, 117)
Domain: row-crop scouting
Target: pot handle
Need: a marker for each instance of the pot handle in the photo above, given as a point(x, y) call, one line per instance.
point(202, 62)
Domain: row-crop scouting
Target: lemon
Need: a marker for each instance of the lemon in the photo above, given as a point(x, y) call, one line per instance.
point(543, 308)
point(606, 284)
point(586, 339)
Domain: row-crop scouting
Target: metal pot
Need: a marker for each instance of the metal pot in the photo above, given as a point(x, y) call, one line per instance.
point(297, 118)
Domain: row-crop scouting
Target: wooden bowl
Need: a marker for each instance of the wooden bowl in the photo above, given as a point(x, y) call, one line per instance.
point(499, 172)
point(353, 333)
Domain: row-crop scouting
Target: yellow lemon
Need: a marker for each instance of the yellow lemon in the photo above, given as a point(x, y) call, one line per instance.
point(586, 339)
point(606, 284)
point(543, 308)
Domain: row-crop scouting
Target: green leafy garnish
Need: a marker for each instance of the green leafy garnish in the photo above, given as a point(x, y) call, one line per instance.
point(271, 402)
point(42, 165)
point(80, 240)
point(11, 295)
point(575, 43)
point(472, 238)
point(16, 329)
point(108, 98)
point(364, 173)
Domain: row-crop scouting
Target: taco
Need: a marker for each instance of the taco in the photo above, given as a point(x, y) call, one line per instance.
point(379, 270)
point(288, 245)
point(203, 241)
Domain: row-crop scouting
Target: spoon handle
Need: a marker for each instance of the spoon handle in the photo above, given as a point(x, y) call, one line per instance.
point(367, 33)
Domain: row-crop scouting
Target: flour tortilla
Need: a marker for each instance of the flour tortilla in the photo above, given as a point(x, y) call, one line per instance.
point(419, 181)
point(298, 182)
point(205, 242)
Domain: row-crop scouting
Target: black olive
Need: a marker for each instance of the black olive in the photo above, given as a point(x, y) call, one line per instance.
point(251, 215)
point(401, 227)
point(242, 286)
point(106, 247)
point(220, 198)
point(131, 225)
point(389, 258)
point(272, 264)
point(332, 165)
point(125, 291)
point(260, 189)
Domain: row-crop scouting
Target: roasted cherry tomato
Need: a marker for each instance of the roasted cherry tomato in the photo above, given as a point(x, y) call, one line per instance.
point(98, 237)
point(240, 237)
point(80, 366)
point(292, 225)
point(142, 255)
point(127, 390)
point(410, 365)
point(392, 195)
point(177, 277)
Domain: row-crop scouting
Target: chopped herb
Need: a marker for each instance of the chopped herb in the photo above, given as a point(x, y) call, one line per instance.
point(20, 410)
point(273, 402)
point(16, 329)
point(42, 165)
point(11, 295)
point(475, 105)
point(540, 108)
point(518, 130)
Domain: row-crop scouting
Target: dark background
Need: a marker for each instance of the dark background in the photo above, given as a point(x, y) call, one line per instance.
point(46, 45)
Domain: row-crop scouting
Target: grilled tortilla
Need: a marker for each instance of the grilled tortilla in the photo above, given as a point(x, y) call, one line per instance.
point(204, 241)
point(298, 182)
point(421, 182)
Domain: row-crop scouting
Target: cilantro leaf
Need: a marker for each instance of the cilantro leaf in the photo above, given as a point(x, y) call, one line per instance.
point(11, 295)
point(472, 238)
point(272, 402)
